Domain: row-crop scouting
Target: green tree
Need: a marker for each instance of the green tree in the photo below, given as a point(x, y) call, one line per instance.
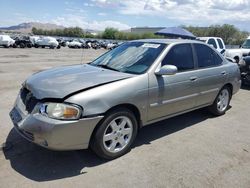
point(109, 33)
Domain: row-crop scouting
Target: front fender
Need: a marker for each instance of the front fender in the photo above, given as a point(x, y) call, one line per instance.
point(100, 99)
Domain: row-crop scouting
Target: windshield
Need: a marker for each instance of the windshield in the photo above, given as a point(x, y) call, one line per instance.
point(246, 44)
point(130, 57)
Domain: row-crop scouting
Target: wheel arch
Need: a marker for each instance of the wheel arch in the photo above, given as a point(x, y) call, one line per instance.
point(128, 106)
point(230, 86)
point(237, 58)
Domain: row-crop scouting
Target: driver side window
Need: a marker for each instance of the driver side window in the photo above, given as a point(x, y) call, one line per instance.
point(181, 56)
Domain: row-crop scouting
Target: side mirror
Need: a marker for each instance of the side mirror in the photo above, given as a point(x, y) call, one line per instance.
point(167, 70)
point(240, 46)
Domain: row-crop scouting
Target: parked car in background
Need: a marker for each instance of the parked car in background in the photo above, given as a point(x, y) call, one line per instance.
point(241, 52)
point(102, 104)
point(22, 42)
point(62, 42)
point(50, 42)
point(75, 44)
point(34, 39)
point(216, 42)
point(6, 41)
point(244, 65)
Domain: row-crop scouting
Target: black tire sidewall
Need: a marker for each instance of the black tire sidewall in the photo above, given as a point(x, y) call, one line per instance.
point(214, 108)
point(97, 141)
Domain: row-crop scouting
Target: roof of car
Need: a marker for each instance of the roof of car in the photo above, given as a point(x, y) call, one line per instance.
point(168, 41)
point(206, 38)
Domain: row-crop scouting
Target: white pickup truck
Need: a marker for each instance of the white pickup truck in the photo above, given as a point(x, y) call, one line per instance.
point(216, 42)
point(243, 51)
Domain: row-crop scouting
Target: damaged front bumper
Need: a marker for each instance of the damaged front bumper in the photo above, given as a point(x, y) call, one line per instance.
point(51, 133)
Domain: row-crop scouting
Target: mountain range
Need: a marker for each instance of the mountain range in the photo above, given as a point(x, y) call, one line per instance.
point(27, 27)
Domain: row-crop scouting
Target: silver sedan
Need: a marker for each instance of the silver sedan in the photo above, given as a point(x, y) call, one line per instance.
point(102, 104)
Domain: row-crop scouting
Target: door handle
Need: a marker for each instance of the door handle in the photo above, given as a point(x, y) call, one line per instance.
point(223, 72)
point(193, 78)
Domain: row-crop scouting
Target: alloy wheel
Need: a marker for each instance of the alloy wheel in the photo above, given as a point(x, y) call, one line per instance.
point(223, 100)
point(118, 134)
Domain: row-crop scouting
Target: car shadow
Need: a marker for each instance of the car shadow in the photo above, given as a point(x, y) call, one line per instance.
point(39, 164)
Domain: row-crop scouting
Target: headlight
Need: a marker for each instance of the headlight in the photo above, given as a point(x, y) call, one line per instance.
point(61, 111)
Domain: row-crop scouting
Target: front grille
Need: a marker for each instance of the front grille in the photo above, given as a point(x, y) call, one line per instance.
point(28, 99)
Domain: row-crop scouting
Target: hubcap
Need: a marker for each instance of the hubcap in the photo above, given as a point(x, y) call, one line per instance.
point(223, 100)
point(117, 134)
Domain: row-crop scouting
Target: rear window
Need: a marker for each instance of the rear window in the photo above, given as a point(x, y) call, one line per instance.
point(212, 42)
point(206, 56)
point(220, 43)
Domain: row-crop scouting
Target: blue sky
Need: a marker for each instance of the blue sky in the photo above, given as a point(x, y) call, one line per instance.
point(123, 14)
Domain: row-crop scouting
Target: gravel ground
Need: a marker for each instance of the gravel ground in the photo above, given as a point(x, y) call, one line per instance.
point(191, 150)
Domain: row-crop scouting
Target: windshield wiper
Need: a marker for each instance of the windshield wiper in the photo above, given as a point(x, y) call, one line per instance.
point(107, 67)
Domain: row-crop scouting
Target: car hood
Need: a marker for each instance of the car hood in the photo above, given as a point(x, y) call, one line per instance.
point(63, 81)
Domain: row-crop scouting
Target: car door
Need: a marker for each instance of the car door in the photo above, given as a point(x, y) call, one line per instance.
point(211, 73)
point(171, 94)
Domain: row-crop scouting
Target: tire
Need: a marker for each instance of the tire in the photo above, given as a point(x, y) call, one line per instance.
point(58, 47)
point(120, 127)
point(14, 46)
point(22, 45)
point(36, 46)
point(29, 45)
point(221, 102)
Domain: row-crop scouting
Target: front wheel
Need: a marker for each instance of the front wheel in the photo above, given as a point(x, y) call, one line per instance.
point(115, 135)
point(221, 103)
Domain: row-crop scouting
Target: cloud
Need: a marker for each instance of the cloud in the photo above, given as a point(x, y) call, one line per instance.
point(71, 20)
point(193, 12)
point(102, 14)
point(231, 5)
point(186, 12)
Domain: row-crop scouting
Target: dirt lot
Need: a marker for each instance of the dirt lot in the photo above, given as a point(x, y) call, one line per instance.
point(191, 150)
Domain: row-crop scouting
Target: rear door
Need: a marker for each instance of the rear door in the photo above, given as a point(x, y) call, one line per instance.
point(211, 73)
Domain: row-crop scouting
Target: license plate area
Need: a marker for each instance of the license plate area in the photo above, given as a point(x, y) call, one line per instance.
point(15, 116)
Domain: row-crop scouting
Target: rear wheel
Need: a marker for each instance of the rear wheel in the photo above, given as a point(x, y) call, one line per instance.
point(115, 135)
point(22, 45)
point(221, 103)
